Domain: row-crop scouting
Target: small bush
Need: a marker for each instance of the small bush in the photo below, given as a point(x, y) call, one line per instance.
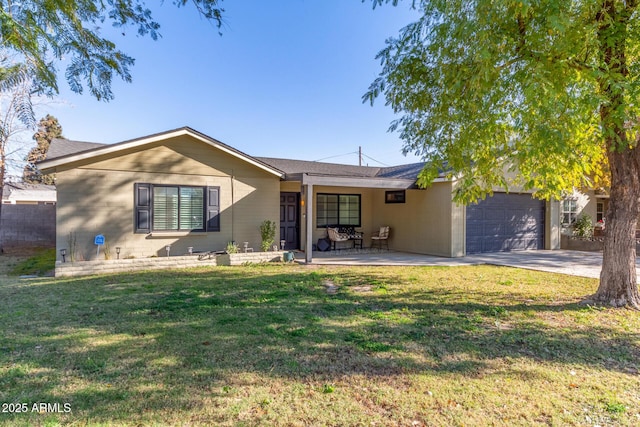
point(583, 227)
point(268, 234)
point(232, 248)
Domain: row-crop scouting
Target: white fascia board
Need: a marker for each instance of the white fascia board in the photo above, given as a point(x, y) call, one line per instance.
point(114, 148)
point(364, 182)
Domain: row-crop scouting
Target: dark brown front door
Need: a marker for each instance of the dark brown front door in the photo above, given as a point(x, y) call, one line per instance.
point(289, 213)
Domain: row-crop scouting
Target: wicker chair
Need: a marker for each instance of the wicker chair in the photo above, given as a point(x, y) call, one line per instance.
point(381, 236)
point(336, 236)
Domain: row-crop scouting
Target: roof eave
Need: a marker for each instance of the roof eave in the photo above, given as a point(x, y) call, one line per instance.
point(364, 182)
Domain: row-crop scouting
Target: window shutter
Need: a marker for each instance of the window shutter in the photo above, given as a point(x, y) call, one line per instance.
point(142, 208)
point(213, 208)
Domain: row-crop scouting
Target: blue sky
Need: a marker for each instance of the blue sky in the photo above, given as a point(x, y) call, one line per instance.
point(285, 79)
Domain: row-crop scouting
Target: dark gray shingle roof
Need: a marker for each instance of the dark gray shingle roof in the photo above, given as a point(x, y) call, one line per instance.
point(295, 167)
point(409, 171)
point(292, 167)
point(63, 147)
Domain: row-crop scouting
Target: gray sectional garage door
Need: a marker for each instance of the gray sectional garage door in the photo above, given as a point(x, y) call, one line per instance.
point(505, 222)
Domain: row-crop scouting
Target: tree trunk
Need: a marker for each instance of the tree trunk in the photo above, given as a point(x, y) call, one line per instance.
point(618, 281)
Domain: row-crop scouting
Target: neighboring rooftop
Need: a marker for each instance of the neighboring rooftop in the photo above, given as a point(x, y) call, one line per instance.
point(14, 192)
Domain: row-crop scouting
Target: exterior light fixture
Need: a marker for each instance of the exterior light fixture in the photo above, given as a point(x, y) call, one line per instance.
point(168, 249)
point(63, 252)
point(118, 252)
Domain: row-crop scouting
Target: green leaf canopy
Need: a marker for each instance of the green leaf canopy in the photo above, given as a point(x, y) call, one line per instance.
point(486, 88)
point(46, 32)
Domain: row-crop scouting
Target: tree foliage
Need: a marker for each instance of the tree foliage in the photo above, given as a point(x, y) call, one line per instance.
point(16, 110)
point(533, 94)
point(46, 32)
point(48, 129)
point(487, 86)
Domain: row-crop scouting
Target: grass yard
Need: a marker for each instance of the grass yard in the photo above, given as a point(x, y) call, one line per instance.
point(296, 345)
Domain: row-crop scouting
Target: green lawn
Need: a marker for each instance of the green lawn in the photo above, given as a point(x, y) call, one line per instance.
point(296, 345)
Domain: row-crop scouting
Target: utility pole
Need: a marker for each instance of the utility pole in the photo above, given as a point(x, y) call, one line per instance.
point(359, 155)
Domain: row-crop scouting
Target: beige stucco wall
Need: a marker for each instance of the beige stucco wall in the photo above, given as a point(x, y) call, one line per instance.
point(98, 198)
point(290, 186)
point(428, 223)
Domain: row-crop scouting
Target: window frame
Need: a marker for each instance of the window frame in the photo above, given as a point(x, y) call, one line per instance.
point(180, 207)
point(338, 215)
point(144, 216)
point(600, 211)
point(571, 211)
point(395, 196)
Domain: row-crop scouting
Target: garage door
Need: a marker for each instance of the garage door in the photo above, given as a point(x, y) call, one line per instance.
point(505, 222)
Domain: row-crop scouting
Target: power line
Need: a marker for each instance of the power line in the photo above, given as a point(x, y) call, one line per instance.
point(360, 155)
point(377, 161)
point(338, 155)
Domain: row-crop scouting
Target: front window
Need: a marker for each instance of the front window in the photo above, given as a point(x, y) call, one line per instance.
point(178, 208)
point(569, 211)
point(599, 211)
point(338, 209)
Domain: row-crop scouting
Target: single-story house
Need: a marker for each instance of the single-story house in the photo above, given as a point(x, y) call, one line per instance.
point(185, 189)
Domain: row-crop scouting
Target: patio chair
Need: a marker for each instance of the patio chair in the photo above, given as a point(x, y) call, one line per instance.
point(336, 236)
point(381, 236)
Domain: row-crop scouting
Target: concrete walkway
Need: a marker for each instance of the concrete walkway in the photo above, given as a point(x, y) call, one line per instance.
point(576, 263)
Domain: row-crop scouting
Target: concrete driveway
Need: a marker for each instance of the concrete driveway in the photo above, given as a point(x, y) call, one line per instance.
point(584, 264)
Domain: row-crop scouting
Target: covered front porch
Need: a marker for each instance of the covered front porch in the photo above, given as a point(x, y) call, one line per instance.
point(422, 221)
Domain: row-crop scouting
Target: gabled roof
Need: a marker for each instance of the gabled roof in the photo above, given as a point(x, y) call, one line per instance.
point(65, 151)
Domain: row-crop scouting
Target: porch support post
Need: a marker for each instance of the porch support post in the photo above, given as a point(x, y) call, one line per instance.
point(308, 251)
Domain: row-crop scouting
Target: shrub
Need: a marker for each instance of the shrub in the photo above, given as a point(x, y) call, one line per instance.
point(232, 248)
point(268, 234)
point(583, 227)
